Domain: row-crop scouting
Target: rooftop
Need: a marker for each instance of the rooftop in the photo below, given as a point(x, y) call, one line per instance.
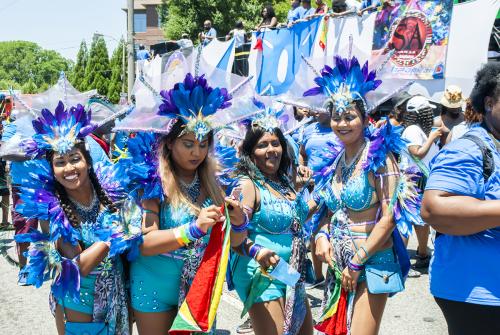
point(141, 4)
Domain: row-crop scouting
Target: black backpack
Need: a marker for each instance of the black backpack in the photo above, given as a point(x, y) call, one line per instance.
point(488, 161)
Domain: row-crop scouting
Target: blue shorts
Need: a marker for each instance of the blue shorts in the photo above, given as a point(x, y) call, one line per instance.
point(86, 302)
point(155, 282)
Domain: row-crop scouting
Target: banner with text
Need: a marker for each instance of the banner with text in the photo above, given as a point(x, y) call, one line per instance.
point(413, 34)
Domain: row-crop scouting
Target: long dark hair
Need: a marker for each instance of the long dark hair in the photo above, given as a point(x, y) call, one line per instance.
point(486, 85)
point(247, 167)
point(62, 195)
point(270, 13)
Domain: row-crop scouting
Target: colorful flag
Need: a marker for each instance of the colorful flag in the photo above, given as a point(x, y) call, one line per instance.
point(197, 312)
point(324, 33)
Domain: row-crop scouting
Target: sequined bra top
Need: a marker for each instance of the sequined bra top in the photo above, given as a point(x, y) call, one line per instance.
point(276, 214)
point(356, 194)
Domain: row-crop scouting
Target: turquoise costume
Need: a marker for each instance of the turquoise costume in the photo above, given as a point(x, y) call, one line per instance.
point(270, 227)
point(87, 236)
point(155, 281)
point(356, 195)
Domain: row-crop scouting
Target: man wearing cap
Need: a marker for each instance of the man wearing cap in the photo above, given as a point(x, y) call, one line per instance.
point(452, 117)
point(418, 121)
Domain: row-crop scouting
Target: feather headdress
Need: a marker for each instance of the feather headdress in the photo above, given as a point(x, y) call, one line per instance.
point(345, 83)
point(194, 102)
point(59, 131)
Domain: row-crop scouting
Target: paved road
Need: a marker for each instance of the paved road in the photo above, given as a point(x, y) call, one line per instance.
point(24, 310)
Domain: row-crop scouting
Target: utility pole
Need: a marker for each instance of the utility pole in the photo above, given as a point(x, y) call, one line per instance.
point(124, 51)
point(130, 47)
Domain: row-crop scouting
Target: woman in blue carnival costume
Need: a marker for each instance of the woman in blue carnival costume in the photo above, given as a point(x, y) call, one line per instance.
point(174, 176)
point(367, 196)
point(273, 232)
point(85, 233)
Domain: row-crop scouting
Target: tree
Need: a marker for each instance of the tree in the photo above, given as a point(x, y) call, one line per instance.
point(21, 62)
point(78, 74)
point(30, 87)
point(97, 71)
point(118, 78)
point(162, 10)
point(187, 16)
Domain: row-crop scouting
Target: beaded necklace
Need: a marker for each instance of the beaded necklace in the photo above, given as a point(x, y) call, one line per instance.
point(348, 169)
point(87, 213)
point(192, 189)
point(279, 186)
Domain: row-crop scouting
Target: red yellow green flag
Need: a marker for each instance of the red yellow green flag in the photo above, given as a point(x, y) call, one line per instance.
point(197, 312)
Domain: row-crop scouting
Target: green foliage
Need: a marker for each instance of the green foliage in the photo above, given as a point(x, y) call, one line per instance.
point(24, 62)
point(98, 71)
point(6, 84)
point(162, 10)
point(187, 16)
point(77, 76)
point(118, 78)
point(29, 87)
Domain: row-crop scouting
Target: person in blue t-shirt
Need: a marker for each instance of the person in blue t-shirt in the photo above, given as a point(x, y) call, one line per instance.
point(143, 54)
point(295, 13)
point(316, 138)
point(208, 34)
point(462, 203)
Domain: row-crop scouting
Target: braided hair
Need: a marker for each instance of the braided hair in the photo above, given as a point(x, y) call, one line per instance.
point(423, 118)
point(64, 201)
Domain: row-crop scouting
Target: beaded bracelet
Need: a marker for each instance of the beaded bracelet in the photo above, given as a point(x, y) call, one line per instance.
point(322, 233)
point(355, 267)
point(254, 250)
point(243, 227)
point(367, 255)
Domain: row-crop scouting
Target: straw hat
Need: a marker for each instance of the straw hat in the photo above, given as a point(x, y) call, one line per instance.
point(452, 97)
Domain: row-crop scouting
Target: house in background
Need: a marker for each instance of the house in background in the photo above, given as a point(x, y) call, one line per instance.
point(147, 26)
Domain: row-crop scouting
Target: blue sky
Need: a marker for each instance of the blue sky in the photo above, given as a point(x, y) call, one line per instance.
point(62, 24)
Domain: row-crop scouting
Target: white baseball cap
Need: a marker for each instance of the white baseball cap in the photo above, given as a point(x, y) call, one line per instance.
point(418, 103)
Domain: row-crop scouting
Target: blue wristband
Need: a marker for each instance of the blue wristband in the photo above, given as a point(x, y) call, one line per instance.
point(254, 250)
point(193, 232)
point(241, 228)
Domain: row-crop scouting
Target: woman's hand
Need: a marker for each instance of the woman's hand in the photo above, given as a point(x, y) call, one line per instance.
point(350, 279)
point(208, 217)
point(304, 172)
point(435, 134)
point(267, 258)
point(324, 251)
point(235, 209)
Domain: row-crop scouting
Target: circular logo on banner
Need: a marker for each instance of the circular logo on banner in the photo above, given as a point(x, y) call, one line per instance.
point(411, 37)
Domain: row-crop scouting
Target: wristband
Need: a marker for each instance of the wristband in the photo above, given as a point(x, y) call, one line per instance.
point(322, 233)
point(367, 255)
point(193, 232)
point(254, 250)
point(243, 227)
point(181, 236)
point(355, 267)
